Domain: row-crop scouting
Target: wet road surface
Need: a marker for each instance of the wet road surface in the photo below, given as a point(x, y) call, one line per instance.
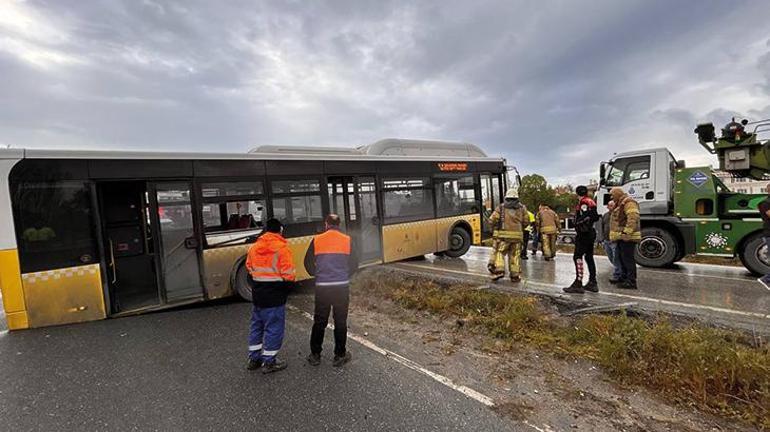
point(721, 294)
point(184, 370)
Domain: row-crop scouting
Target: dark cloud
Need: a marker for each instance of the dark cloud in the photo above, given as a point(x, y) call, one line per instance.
point(552, 86)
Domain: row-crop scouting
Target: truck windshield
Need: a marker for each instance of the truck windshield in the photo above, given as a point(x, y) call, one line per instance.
point(624, 170)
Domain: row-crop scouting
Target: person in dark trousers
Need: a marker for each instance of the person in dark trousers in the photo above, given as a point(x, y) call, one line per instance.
point(272, 272)
point(626, 232)
point(332, 260)
point(528, 235)
point(585, 217)
point(764, 212)
point(610, 247)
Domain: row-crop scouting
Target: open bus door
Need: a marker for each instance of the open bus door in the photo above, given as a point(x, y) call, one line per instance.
point(354, 199)
point(151, 244)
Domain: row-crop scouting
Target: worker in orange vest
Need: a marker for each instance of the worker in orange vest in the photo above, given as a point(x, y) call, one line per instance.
point(272, 272)
point(331, 259)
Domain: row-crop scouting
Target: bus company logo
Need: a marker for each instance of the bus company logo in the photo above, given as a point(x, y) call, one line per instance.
point(452, 166)
point(698, 179)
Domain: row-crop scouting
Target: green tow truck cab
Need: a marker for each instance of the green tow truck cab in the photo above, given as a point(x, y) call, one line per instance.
point(688, 210)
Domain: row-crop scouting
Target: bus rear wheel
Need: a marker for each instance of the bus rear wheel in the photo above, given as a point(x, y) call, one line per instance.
point(658, 248)
point(241, 283)
point(459, 242)
point(753, 255)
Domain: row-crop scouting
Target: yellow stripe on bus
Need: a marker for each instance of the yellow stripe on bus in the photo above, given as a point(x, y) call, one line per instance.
point(13, 293)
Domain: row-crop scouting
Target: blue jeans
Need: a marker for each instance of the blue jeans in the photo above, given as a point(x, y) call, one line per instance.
point(266, 332)
point(611, 249)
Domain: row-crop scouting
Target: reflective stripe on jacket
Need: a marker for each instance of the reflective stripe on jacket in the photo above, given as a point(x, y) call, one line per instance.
point(269, 259)
point(509, 223)
point(332, 258)
point(624, 223)
point(547, 221)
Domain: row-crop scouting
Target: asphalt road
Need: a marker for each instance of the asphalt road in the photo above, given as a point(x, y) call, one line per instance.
point(185, 370)
point(723, 294)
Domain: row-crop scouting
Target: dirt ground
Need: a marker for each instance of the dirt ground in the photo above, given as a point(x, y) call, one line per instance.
point(527, 386)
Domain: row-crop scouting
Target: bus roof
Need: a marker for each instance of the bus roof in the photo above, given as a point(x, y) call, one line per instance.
point(389, 149)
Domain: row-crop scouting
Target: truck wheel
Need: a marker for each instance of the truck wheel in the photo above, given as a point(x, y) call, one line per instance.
point(459, 242)
point(753, 255)
point(658, 248)
point(241, 282)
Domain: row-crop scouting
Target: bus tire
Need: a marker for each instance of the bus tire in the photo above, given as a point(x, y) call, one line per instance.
point(753, 255)
point(658, 248)
point(241, 282)
point(459, 242)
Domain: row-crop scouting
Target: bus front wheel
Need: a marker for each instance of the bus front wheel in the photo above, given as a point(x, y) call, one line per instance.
point(459, 242)
point(241, 282)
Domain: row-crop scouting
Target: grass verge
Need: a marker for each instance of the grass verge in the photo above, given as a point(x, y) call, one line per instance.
point(714, 370)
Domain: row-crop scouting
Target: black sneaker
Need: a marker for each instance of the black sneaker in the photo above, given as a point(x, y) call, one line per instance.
point(524, 257)
point(274, 366)
point(254, 364)
point(591, 286)
point(314, 359)
point(575, 288)
point(628, 285)
point(547, 258)
point(615, 281)
point(341, 360)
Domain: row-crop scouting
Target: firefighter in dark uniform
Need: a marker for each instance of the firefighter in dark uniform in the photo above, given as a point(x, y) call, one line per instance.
point(585, 216)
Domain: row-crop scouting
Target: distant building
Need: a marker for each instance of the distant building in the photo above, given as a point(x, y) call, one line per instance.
point(741, 184)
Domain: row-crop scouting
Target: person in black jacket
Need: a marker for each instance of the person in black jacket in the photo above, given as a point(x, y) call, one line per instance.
point(585, 217)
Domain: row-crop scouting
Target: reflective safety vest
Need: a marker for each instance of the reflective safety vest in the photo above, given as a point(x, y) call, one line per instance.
point(332, 258)
point(269, 259)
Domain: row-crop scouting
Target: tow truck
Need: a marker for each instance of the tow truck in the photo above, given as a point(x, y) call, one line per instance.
point(689, 210)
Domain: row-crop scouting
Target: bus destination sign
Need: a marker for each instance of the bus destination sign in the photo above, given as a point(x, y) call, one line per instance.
point(452, 166)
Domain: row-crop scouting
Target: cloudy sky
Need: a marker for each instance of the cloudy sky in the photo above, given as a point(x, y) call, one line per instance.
point(553, 86)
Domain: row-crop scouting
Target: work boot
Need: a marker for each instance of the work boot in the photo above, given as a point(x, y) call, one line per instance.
point(547, 258)
point(497, 276)
point(575, 288)
point(515, 279)
point(524, 257)
point(341, 360)
point(254, 364)
point(592, 286)
point(628, 285)
point(314, 359)
point(274, 366)
point(615, 281)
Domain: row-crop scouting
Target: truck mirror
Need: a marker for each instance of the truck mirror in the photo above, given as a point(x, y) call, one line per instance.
point(680, 163)
point(602, 172)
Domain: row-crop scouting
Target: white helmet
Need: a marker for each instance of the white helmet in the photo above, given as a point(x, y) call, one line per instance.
point(512, 193)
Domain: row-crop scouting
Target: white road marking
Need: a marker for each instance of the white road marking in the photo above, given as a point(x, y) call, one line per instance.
point(467, 391)
point(647, 299)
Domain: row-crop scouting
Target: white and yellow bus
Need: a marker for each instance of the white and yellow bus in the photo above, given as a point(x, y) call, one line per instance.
point(93, 234)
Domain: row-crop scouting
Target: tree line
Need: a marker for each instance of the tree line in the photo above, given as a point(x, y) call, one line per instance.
point(535, 190)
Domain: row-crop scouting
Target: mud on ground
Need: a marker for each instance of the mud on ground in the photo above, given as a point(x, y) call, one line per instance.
point(526, 385)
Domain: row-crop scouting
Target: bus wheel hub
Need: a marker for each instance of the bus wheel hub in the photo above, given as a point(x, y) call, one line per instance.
point(456, 241)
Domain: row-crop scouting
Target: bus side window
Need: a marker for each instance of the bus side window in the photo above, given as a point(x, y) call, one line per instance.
point(54, 225)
